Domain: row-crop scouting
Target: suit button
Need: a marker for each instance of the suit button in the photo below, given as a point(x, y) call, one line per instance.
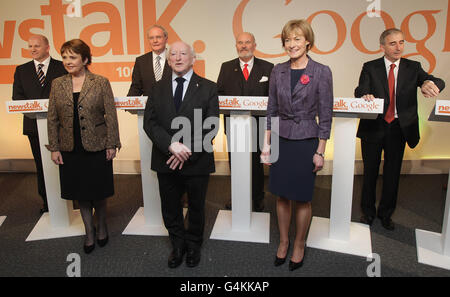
point(83, 128)
point(82, 118)
point(80, 107)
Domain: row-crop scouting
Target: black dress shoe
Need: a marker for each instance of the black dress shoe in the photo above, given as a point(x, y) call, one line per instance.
point(43, 210)
point(368, 220)
point(293, 265)
point(228, 205)
point(176, 257)
point(192, 257)
point(258, 206)
point(280, 261)
point(387, 223)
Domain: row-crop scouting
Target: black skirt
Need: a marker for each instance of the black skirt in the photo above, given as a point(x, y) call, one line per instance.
point(292, 176)
point(85, 175)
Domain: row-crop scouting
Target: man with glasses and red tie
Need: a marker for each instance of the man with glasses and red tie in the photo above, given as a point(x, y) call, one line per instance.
point(396, 80)
point(33, 80)
point(247, 76)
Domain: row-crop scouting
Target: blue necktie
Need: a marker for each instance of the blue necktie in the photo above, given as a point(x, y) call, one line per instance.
point(178, 93)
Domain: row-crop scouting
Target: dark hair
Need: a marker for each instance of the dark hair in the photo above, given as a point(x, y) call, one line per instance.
point(79, 47)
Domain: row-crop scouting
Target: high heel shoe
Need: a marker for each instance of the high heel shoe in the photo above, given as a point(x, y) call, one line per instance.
point(103, 242)
point(293, 265)
point(280, 261)
point(89, 248)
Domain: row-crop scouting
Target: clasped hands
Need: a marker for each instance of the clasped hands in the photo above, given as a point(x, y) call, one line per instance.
point(58, 160)
point(180, 154)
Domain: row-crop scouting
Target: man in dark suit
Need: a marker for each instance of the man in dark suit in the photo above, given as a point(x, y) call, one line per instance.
point(247, 76)
point(150, 67)
point(33, 80)
point(183, 164)
point(396, 81)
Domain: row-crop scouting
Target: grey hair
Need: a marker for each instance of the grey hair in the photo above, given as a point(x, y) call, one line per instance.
point(251, 35)
point(388, 32)
point(159, 27)
point(191, 49)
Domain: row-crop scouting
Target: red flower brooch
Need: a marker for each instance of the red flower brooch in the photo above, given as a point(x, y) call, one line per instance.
point(304, 79)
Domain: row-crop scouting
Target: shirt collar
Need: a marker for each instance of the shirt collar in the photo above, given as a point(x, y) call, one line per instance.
point(162, 55)
point(46, 62)
point(388, 63)
point(187, 76)
point(250, 63)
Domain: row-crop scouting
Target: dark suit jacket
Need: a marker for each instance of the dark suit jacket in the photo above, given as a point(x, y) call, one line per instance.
point(297, 111)
point(373, 80)
point(96, 112)
point(26, 86)
point(143, 77)
point(231, 80)
point(160, 112)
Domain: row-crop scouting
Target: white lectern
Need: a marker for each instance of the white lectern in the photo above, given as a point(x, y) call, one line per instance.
point(338, 233)
point(148, 219)
point(434, 248)
point(61, 220)
point(2, 219)
point(241, 224)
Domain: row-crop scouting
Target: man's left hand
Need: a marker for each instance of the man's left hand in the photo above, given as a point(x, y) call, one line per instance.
point(429, 89)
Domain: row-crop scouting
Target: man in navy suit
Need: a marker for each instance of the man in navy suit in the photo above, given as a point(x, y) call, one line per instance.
point(396, 80)
point(247, 76)
point(33, 80)
point(150, 67)
point(183, 164)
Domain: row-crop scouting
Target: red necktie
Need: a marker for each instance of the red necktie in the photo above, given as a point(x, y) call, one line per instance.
point(245, 71)
point(390, 113)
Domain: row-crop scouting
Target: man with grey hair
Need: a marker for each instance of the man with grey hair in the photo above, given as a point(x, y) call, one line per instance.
point(396, 80)
point(33, 80)
point(183, 165)
point(150, 67)
point(247, 76)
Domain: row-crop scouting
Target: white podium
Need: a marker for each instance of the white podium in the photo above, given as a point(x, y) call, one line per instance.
point(338, 233)
point(2, 219)
point(148, 219)
point(61, 220)
point(241, 224)
point(434, 248)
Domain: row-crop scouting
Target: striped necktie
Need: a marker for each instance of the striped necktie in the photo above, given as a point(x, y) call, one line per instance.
point(41, 75)
point(158, 70)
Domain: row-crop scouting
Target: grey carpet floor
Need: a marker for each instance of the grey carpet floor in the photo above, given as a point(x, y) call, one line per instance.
point(420, 205)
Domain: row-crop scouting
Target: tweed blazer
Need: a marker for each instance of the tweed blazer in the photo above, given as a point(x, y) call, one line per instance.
point(297, 111)
point(96, 111)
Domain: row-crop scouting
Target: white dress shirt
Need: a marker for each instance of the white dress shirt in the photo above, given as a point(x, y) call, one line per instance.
point(46, 62)
point(249, 66)
point(187, 78)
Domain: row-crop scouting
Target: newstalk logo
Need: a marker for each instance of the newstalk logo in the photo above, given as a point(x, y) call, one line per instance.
point(444, 109)
point(340, 105)
point(130, 103)
point(26, 107)
point(229, 103)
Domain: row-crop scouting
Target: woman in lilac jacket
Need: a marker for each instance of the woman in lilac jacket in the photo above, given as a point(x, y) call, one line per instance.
point(301, 98)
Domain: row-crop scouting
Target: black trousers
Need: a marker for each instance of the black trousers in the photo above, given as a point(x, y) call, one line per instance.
point(36, 150)
point(257, 166)
point(171, 188)
point(393, 144)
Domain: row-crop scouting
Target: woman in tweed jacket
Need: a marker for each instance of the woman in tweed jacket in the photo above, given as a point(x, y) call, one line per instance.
point(83, 137)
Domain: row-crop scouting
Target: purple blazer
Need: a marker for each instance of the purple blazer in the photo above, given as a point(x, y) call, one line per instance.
point(297, 111)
